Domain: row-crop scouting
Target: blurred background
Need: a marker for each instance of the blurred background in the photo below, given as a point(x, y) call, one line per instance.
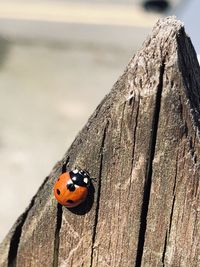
point(58, 59)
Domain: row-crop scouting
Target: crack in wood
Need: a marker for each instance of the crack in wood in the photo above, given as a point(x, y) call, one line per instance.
point(57, 235)
point(174, 196)
point(15, 239)
point(149, 169)
point(14, 242)
point(65, 163)
point(98, 192)
point(134, 135)
point(134, 142)
point(121, 125)
point(164, 249)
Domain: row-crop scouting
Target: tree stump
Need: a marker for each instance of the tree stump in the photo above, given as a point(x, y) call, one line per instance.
point(142, 144)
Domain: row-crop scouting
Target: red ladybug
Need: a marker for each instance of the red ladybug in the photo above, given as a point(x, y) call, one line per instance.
point(71, 188)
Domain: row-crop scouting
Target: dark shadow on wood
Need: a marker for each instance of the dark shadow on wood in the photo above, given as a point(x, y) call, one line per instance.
point(86, 206)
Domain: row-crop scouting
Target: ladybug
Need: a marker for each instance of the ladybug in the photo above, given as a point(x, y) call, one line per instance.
point(71, 188)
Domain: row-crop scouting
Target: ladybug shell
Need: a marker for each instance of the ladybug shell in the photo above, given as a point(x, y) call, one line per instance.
point(66, 197)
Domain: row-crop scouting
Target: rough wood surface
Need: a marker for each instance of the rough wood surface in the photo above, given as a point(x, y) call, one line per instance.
point(142, 144)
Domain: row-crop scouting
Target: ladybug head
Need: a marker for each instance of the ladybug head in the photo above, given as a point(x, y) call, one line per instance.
point(79, 177)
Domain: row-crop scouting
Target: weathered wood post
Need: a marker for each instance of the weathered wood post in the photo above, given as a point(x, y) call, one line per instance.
point(142, 144)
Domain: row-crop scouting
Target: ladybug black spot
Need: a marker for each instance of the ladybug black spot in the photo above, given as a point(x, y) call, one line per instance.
point(58, 191)
point(70, 201)
point(71, 187)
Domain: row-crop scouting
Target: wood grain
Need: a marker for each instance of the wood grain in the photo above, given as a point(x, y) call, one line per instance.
point(142, 145)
